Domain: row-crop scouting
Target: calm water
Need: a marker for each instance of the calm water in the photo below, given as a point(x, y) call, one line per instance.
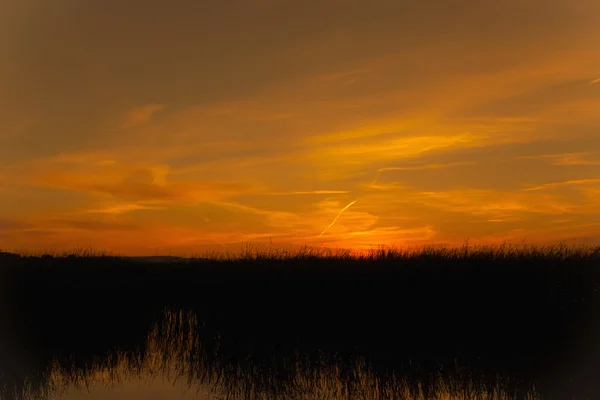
point(175, 363)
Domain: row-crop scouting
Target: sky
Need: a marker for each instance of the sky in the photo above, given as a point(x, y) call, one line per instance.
point(178, 127)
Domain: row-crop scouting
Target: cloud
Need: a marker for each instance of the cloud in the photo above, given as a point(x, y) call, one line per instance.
point(569, 158)
point(94, 224)
point(554, 185)
point(595, 81)
point(309, 192)
point(272, 218)
point(7, 224)
point(493, 203)
point(116, 180)
point(135, 182)
point(419, 233)
point(344, 154)
point(141, 115)
point(342, 75)
point(123, 208)
point(421, 167)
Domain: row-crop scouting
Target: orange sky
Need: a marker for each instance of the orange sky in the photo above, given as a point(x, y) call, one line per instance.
point(144, 127)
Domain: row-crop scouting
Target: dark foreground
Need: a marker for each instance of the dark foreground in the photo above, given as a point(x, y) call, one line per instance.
point(483, 323)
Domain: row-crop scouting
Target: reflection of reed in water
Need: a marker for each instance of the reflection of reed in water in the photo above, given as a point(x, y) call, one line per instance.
point(175, 352)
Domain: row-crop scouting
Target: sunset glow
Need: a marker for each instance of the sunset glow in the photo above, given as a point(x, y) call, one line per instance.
point(157, 127)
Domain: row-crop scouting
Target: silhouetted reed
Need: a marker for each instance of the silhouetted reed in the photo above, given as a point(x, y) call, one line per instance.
point(499, 317)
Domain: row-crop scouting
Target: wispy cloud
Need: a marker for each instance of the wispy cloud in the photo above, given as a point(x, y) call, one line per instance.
point(595, 81)
point(141, 182)
point(94, 225)
point(426, 166)
point(421, 167)
point(486, 203)
point(554, 185)
point(7, 224)
point(140, 115)
point(345, 154)
point(123, 208)
point(307, 192)
point(342, 75)
point(418, 233)
point(579, 158)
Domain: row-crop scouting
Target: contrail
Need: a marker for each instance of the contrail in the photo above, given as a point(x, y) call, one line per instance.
point(336, 218)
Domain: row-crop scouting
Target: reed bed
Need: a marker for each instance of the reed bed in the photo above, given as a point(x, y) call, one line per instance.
point(529, 315)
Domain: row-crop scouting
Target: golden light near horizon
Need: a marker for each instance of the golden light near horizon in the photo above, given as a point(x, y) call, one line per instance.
point(158, 127)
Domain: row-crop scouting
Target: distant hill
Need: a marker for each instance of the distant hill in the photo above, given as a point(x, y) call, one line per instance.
point(157, 259)
point(4, 255)
point(142, 259)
